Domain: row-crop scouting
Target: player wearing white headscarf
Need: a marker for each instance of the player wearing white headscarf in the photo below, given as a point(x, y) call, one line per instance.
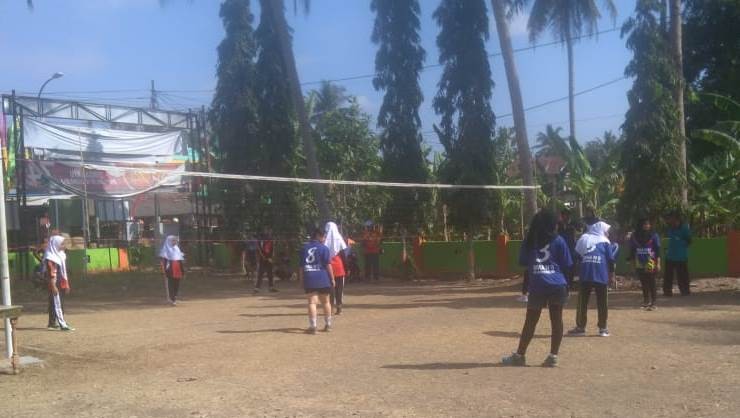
point(337, 247)
point(55, 262)
point(173, 267)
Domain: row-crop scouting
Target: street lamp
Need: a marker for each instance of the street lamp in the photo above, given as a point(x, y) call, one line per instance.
point(41, 90)
point(53, 77)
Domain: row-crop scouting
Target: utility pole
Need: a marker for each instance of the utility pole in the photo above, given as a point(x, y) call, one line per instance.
point(153, 104)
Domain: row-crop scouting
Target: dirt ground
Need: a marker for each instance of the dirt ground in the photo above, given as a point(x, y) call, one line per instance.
point(422, 349)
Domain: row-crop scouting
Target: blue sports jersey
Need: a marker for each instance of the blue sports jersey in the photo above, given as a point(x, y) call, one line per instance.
point(315, 257)
point(546, 265)
point(595, 264)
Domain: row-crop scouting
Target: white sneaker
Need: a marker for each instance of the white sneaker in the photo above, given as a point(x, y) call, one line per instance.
point(523, 299)
point(603, 332)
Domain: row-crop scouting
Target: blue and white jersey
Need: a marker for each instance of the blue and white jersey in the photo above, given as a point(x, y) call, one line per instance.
point(595, 263)
point(314, 259)
point(546, 265)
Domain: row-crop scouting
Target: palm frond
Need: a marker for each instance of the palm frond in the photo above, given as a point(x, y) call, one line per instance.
point(719, 138)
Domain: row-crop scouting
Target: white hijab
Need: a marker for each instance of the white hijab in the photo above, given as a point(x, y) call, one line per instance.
point(171, 252)
point(55, 252)
point(595, 234)
point(334, 239)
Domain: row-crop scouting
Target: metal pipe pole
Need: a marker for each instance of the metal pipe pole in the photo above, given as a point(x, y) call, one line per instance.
point(4, 268)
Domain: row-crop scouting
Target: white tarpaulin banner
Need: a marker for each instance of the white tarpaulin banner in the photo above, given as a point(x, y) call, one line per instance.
point(60, 137)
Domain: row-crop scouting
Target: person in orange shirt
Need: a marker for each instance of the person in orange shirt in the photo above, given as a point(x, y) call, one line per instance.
point(372, 238)
point(337, 247)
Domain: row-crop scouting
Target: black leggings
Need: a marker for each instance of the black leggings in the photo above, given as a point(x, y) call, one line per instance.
point(173, 286)
point(602, 304)
point(649, 291)
point(556, 321)
point(337, 294)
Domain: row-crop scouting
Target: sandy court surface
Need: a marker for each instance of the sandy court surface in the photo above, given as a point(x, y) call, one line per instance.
point(422, 349)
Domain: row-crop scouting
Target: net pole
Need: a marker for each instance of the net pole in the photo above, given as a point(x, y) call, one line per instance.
point(4, 267)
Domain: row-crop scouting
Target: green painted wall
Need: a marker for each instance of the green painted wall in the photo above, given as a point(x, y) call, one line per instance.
point(707, 257)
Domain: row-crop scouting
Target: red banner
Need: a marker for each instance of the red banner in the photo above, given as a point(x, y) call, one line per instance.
point(68, 177)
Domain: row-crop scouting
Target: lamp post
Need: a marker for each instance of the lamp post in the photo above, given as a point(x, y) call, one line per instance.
point(53, 77)
point(41, 90)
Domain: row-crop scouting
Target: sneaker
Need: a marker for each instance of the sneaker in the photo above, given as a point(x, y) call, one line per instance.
point(514, 360)
point(311, 330)
point(644, 306)
point(273, 290)
point(652, 308)
point(52, 327)
point(67, 328)
point(339, 310)
point(550, 361)
point(603, 332)
point(173, 302)
point(327, 328)
point(523, 299)
point(577, 332)
point(256, 290)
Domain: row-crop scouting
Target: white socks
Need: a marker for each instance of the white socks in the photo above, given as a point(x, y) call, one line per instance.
point(312, 322)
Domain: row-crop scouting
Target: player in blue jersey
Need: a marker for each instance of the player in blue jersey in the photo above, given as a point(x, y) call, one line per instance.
point(598, 258)
point(547, 257)
point(317, 277)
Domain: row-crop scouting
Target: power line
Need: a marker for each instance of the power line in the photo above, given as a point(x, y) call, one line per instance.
point(553, 101)
point(341, 79)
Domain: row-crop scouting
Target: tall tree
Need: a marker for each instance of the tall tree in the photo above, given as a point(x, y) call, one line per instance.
point(651, 155)
point(277, 203)
point(233, 111)
point(467, 120)
point(398, 63)
point(277, 10)
point(349, 150)
point(677, 50)
point(711, 45)
point(502, 15)
point(568, 20)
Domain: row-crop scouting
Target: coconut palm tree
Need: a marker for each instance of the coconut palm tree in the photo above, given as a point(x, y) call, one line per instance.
point(502, 16)
point(568, 20)
point(277, 9)
point(677, 51)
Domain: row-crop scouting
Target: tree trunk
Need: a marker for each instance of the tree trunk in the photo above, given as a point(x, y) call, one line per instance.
point(676, 46)
point(517, 106)
point(277, 10)
point(471, 257)
point(571, 85)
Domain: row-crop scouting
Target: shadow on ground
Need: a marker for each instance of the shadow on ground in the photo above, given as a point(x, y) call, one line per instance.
point(441, 366)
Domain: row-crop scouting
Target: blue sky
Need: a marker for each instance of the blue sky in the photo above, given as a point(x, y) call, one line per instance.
point(109, 51)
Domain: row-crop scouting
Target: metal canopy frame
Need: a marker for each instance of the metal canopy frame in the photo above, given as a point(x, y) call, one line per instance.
point(84, 111)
